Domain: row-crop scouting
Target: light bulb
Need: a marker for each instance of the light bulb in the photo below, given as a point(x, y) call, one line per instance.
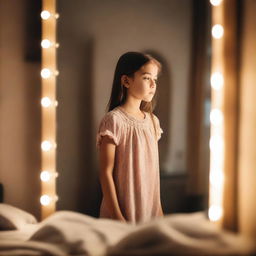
point(46, 43)
point(46, 102)
point(216, 144)
point(45, 200)
point(216, 178)
point(46, 73)
point(45, 176)
point(46, 145)
point(217, 31)
point(215, 2)
point(45, 15)
point(216, 117)
point(215, 212)
point(217, 80)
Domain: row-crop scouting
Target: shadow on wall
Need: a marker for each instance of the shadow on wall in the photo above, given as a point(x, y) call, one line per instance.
point(89, 193)
point(78, 184)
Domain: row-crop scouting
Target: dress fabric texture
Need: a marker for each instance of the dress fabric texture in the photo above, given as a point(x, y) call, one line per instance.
point(136, 167)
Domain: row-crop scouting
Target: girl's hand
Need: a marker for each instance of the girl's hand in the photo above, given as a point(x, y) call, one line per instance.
point(122, 219)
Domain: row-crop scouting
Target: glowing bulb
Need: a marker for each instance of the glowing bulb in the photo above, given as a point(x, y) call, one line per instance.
point(217, 80)
point(215, 212)
point(45, 200)
point(45, 176)
point(56, 103)
point(217, 31)
point(46, 43)
point(216, 144)
point(46, 73)
point(216, 117)
point(46, 145)
point(45, 15)
point(215, 2)
point(216, 178)
point(46, 102)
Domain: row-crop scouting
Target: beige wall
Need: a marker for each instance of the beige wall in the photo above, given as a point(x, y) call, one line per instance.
point(19, 112)
point(247, 148)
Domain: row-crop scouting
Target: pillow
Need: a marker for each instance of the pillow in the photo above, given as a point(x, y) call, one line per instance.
point(12, 218)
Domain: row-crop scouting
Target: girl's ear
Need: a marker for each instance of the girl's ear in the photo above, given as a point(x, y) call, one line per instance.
point(125, 81)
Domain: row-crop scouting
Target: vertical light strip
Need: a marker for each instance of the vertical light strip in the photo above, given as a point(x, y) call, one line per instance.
point(217, 144)
point(49, 104)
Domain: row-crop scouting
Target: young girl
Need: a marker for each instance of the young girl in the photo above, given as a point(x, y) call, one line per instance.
point(127, 141)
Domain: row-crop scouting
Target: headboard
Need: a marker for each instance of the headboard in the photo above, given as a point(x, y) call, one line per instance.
point(1, 193)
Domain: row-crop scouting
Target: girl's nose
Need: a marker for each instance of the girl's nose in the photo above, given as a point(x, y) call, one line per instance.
point(153, 83)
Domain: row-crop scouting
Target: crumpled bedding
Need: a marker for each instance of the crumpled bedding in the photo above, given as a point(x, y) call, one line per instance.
point(70, 233)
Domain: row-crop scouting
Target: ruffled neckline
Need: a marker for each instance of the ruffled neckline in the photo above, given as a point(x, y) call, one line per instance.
point(132, 118)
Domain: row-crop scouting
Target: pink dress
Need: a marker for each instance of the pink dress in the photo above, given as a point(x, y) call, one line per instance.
point(136, 168)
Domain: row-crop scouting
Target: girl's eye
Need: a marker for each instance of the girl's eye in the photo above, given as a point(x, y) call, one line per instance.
point(148, 78)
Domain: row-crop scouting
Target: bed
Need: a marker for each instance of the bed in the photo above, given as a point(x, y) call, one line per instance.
point(72, 233)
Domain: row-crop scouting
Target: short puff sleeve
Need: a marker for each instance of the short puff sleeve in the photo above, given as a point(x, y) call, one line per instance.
point(159, 130)
point(109, 126)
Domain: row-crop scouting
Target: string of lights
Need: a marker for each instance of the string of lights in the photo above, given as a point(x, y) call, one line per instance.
point(215, 211)
point(49, 104)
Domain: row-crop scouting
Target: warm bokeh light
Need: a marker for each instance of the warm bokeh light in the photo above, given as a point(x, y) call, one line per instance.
point(216, 178)
point(45, 176)
point(216, 144)
point(216, 117)
point(45, 15)
point(46, 73)
point(217, 81)
point(45, 200)
point(217, 31)
point(215, 212)
point(46, 43)
point(215, 2)
point(46, 145)
point(46, 102)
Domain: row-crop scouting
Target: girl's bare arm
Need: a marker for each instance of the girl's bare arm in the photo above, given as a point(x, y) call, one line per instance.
point(107, 157)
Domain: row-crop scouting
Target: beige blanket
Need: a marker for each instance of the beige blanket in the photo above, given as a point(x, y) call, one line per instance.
point(70, 233)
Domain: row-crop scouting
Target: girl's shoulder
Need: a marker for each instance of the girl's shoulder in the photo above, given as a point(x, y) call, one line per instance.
point(155, 117)
point(112, 116)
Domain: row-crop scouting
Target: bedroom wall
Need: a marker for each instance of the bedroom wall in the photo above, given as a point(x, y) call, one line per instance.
point(247, 149)
point(19, 111)
point(92, 36)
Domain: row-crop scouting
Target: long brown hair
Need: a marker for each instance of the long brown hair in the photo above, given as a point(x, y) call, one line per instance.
point(128, 64)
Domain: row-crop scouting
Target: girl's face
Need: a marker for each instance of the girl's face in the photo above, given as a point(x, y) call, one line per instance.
point(143, 85)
